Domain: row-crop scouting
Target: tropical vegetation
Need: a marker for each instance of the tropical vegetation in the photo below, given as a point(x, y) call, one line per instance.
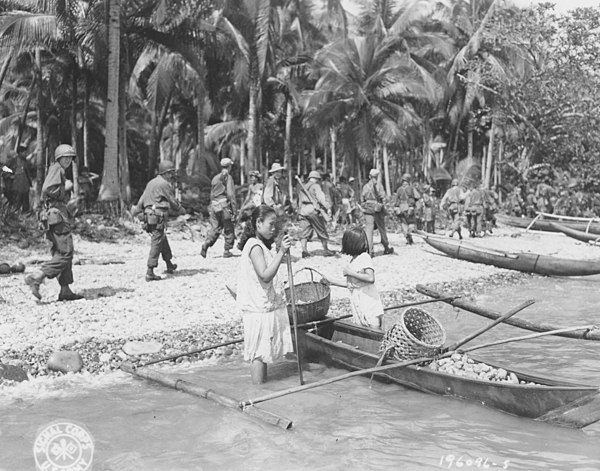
point(432, 88)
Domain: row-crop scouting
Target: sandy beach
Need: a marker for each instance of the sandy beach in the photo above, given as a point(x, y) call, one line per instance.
point(193, 308)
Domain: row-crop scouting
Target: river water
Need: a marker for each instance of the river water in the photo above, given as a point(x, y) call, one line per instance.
point(137, 425)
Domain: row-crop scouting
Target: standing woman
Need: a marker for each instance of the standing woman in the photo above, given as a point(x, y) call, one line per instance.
point(260, 299)
point(56, 216)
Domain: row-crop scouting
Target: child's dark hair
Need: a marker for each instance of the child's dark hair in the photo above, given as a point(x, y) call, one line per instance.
point(354, 241)
point(259, 213)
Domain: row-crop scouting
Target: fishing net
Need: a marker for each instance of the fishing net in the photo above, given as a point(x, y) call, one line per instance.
point(417, 334)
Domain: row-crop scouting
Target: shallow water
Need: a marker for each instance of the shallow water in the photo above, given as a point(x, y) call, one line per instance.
point(137, 425)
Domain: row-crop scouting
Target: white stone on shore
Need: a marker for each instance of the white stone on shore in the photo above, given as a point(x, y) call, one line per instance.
point(65, 361)
point(141, 348)
point(105, 357)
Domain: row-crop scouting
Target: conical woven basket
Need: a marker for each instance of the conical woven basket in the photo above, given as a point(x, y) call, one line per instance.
point(417, 334)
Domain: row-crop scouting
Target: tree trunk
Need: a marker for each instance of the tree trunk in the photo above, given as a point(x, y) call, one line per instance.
point(490, 157)
point(470, 144)
point(287, 145)
point(313, 156)
point(158, 126)
point(253, 162)
point(109, 189)
point(200, 125)
point(41, 167)
point(333, 156)
point(124, 186)
point(75, 166)
point(386, 169)
point(86, 122)
point(36, 79)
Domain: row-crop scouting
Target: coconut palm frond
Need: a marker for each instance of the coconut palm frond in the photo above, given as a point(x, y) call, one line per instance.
point(225, 131)
point(20, 29)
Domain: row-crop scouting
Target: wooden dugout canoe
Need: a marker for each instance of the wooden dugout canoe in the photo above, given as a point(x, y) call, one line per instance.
point(551, 400)
point(575, 234)
point(549, 225)
point(521, 261)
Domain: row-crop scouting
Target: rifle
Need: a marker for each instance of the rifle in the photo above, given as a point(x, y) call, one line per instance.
point(315, 203)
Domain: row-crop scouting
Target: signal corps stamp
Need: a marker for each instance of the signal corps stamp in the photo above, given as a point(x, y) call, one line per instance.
point(63, 446)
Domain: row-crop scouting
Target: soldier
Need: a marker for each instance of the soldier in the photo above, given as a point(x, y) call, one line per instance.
point(272, 194)
point(452, 203)
point(372, 197)
point(312, 204)
point(491, 207)
point(222, 210)
point(254, 196)
point(530, 203)
point(22, 180)
point(56, 216)
point(515, 202)
point(429, 207)
point(157, 199)
point(474, 207)
point(347, 200)
point(406, 202)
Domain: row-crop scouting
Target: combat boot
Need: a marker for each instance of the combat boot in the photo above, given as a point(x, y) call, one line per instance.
point(151, 276)
point(171, 267)
point(34, 281)
point(203, 251)
point(67, 295)
point(388, 250)
point(227, 254)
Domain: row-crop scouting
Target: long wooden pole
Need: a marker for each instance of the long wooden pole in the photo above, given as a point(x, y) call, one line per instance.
point(418, 303)
point(528, 337)
point(593, 334)
point(209, 394)
point(288, 259)
point(379, 369)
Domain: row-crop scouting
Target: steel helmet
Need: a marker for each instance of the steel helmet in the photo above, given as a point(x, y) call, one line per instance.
point(454, 182)
point(166, 166)
point(406, 177)
point(314, 174)
point(64, 150)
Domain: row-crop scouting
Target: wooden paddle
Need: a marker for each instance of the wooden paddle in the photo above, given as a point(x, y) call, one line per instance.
point(378, 369)
point(288, 259)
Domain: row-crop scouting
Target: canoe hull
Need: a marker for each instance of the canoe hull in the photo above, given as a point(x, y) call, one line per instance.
point(338, 344)
point(548, 225)
point(575, 234)
point(525, 262)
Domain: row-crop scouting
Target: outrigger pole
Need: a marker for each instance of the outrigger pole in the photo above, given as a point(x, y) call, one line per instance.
point(210, 394)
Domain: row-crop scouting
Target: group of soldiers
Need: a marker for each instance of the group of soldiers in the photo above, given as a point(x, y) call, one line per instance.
point(546, 197)
point(319, 203)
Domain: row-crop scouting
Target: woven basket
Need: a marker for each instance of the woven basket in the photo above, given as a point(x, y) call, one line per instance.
point(312, 299)
point(417, 334)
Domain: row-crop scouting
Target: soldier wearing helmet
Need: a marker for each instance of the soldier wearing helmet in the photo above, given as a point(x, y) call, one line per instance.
point(56, 217)
point(452, 202)
point(406, 200)
point(156, 201)
point(222, 210)
point(314, 212)
point(373, 200)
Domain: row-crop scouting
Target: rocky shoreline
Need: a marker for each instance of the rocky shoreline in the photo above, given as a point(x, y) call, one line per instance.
point(192, 308)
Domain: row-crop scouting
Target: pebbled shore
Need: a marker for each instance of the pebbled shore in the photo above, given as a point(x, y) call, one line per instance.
point(193, 308)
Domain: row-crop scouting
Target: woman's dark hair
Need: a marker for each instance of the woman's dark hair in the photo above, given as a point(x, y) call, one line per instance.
point(354, 241)
point(259, 213)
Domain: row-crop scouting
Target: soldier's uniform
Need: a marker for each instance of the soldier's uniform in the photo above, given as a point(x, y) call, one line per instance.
point(222, 210)
point(311, 219)
point(372, 199)
point(156, 201)
point(474, 207)
point(406, 202)
point(272, 194)
point(429, 207)
point(452, 203)
point(56, 218)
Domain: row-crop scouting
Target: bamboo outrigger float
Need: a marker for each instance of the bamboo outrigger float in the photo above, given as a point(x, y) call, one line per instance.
point(545, 222)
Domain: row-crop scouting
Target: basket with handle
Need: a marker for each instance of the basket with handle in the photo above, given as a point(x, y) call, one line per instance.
point(312, 299)
point(417, 334)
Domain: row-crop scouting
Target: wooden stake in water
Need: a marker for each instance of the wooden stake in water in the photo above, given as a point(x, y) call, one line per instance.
point(294, 314)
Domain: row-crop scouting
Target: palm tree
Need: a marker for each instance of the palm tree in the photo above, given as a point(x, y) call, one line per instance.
point(368, 90)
